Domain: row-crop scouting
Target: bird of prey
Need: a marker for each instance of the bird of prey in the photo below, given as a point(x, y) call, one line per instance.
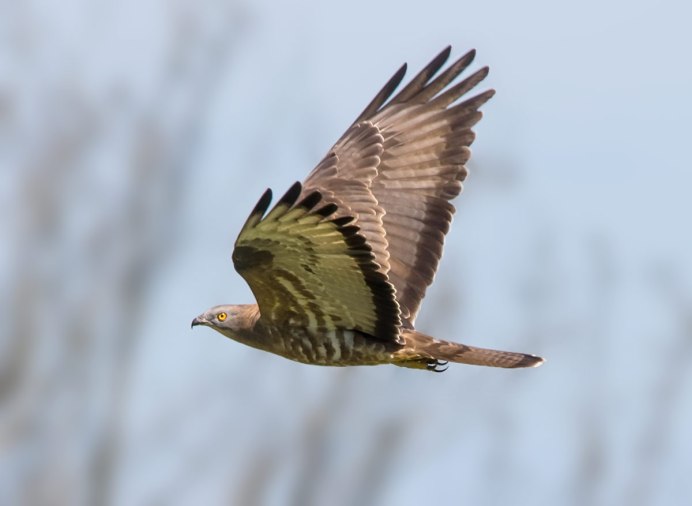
point(340, 265)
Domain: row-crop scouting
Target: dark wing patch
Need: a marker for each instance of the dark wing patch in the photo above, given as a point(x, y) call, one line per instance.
point(424, 135)
point(308, 267)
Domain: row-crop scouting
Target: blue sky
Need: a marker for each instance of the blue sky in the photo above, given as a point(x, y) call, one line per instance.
point(570, 241)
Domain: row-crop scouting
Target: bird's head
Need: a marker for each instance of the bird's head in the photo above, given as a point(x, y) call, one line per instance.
point(228, 319)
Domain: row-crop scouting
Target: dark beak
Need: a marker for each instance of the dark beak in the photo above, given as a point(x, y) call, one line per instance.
point(197, 321)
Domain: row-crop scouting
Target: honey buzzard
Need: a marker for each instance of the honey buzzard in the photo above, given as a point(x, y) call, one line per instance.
point(340, 265)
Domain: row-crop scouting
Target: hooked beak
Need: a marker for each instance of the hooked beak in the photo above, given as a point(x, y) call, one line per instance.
point(198, 321)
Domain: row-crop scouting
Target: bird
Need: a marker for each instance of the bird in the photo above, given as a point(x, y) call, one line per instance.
point(340, 264)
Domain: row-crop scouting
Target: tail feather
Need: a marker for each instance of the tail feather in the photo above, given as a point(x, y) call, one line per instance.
point(420, 347)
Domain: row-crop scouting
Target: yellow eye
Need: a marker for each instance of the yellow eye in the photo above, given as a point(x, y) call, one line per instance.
point(221, 317)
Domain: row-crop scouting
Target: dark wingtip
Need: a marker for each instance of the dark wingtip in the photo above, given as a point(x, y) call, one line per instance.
point(344, 220)
point(447, 51)
point(440, 59)
point(327, 210)
point(465, 60)
point(311, 200)
point(262, 203)
point(482, 73)
point(382, 95)
point(258, 211)
point(291, 195)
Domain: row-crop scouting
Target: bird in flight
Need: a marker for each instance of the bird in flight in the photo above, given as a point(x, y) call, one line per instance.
point(340, 265)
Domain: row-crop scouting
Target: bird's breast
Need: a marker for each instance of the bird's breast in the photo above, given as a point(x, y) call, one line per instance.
point(330, 347)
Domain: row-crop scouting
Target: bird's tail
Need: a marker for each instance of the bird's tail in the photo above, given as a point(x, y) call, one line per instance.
point(424, 352)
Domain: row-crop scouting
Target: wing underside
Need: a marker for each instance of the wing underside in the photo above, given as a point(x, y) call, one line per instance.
point(406, 157)
point(309, 266)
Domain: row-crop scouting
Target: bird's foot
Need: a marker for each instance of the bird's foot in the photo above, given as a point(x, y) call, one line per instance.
point(437, 366)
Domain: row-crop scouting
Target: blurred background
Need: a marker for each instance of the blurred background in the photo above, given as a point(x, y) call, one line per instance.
point(136, 136)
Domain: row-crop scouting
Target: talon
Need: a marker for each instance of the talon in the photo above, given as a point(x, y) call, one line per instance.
point(438, 366)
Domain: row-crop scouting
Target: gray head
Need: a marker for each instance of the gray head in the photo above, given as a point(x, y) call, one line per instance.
point(231, 320)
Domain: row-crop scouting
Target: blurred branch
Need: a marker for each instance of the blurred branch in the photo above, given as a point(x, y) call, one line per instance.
point(668, 395)
point(93, 221)
point(313, 469)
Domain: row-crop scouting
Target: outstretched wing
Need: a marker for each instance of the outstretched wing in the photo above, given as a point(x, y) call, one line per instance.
point(311, 268)
point(423, 136)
